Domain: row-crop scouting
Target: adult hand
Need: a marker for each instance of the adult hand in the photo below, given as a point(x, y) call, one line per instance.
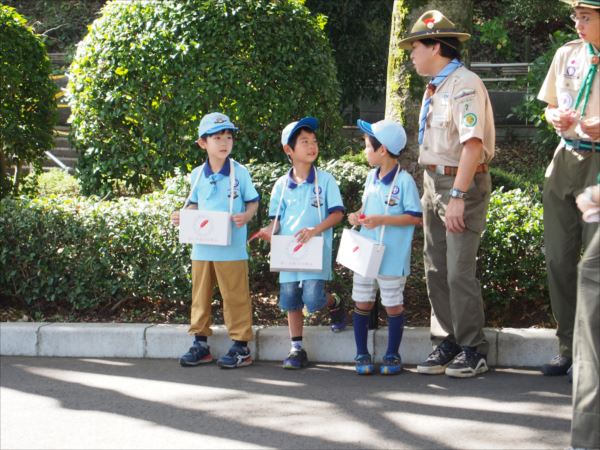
point(455, 215)
point(591, 127)
point(561, 119)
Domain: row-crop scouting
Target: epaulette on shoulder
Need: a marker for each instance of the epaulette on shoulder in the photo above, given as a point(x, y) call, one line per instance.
point(574, 42)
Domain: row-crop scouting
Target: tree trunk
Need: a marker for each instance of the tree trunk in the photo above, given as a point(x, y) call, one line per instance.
point(404, 87)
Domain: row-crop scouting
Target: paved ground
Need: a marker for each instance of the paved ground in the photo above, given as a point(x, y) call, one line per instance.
point(143, 403)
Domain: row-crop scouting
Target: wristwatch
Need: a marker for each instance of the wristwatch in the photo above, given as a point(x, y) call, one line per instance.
point(457, 193)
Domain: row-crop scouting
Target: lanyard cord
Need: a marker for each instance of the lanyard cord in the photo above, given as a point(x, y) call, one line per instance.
point(586, 87)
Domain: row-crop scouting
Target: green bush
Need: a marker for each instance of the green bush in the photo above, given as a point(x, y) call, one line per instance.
point(27, 104)
point(57, 182)
point(511, 257)
point(147, 72)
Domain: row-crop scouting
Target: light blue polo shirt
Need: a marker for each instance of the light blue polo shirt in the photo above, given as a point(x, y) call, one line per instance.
point(211, 193)
point(299, 210)
point(405, 200)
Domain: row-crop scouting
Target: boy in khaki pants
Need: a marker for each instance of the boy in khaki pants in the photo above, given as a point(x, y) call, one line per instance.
point(225, 266)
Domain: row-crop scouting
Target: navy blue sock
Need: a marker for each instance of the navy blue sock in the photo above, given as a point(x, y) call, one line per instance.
point(201, 340)
point(395, 330)
point(242, 344)
point(360, 320)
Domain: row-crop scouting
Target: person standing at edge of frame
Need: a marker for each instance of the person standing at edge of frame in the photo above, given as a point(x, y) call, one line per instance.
point(572, 91)
point(456, 142)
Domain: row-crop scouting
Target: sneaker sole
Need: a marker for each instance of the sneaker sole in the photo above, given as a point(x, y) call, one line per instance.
point(466, 373)
point(387, 370)
point(246, 362)
point(365, 370)
point(183, 363)
point(432, 370)
point(290, 367)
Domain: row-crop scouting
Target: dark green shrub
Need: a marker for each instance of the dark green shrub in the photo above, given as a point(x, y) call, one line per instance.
point(147, 71)
point(511, 257)
point(27, 104)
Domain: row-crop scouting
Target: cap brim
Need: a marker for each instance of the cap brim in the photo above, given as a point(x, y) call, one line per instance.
point(405, 43)
point(576, 4)
point(306, 122)
point(218, 128)
point(366, 127)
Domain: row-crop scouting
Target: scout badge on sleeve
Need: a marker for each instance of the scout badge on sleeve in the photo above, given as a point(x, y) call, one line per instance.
point(197, 226)
point(289, 255)
point(362, 254)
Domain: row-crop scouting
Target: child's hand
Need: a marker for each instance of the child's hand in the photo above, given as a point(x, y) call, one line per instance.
point(264, 233)
point(241, 219)
point(305, 234)
point(175, 218)
point(353, 218)
point(370, 221)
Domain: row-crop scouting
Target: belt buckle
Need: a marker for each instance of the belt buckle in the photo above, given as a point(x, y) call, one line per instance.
point(575, 144)
point(440, 170)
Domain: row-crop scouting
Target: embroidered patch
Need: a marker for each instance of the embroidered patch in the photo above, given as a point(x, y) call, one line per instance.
point(470, 120)
point(571, 70)
point(464, 93)
point(565, 100)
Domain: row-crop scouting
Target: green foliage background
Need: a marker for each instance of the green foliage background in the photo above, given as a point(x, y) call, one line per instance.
point(147, 72)
point(27, 106)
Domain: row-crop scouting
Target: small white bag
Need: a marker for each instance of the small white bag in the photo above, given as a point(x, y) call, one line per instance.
point(289, 255)
point(197, 226)
point(362, 254)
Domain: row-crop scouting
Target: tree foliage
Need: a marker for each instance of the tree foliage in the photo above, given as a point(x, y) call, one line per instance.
point(27, 105)
point(148, 71)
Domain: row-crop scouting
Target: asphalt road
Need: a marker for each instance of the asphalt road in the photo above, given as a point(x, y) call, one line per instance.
point(143, 403)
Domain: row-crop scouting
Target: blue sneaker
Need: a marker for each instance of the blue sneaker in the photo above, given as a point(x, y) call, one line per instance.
point(237, 356)
point(364, 364)
point(391, 365)
point(196, 355)
point(297, 359)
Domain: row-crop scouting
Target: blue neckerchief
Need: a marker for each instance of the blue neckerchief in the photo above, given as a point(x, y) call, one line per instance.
point(437, 80)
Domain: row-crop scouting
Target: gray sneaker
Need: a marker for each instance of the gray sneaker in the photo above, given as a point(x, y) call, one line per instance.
point(438, 360)
point(469, 363)
point(558, 366)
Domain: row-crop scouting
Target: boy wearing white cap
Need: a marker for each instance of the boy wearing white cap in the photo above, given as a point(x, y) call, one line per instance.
point(225, 266)
point(390, 205)
point(305, 202)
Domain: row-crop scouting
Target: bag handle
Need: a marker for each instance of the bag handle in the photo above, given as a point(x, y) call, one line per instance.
point(387, 205)
point(285, 185)
point(231, 186)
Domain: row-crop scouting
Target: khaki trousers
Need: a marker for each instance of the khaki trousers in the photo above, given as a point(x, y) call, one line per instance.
point(232, 279)
point(451, 261)
point(565, 234)
point(585, 427)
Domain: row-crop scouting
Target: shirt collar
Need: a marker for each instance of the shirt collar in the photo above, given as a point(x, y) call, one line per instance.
point(224, 170)
point(388, 178)
point(310, 179)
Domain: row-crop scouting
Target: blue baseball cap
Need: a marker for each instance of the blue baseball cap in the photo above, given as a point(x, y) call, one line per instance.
point(213, 123)
point(389, 133)
point(306, 122)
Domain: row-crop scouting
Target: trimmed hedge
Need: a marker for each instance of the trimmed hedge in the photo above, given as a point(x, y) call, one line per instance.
point(148, 71)
point(27, 104)
point(83, 252)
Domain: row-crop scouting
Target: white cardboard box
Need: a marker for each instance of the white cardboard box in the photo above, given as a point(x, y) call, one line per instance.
point(360, 254)
point(288, 255)
point(204, 227)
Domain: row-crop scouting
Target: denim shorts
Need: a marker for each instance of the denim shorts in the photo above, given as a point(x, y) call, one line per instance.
point(294, 295)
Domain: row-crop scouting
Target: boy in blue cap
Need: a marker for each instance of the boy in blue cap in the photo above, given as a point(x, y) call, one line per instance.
point(390, 205)
point(301, 191)
point(225, 266)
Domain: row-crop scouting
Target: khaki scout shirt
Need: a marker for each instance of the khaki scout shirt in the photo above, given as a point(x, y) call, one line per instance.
point(564, 79)
point(460, 109)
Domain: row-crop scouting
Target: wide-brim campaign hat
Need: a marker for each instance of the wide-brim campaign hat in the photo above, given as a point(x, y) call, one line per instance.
point(213, 123)
point(432, 25)
point(306, 122)
point(389, 133)
point(594, 4)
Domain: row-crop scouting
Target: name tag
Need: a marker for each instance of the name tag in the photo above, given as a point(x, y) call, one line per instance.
point(204, 227)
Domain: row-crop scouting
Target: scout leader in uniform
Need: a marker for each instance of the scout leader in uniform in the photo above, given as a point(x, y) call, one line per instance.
point(572, 91)
point(456, 141)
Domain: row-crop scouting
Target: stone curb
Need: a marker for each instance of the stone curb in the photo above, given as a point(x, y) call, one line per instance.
point(509, 347)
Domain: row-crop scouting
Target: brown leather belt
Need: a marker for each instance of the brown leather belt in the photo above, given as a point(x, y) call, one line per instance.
point(452, 171)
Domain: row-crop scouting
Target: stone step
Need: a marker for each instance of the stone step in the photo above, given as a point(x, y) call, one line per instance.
point(61, 142)
point(67, 161)
point(64, 152)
